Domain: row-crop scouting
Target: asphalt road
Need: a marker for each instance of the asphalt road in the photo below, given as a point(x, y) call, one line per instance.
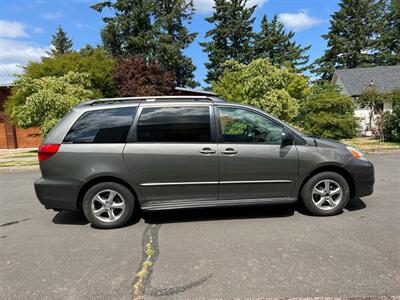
point(264, 252)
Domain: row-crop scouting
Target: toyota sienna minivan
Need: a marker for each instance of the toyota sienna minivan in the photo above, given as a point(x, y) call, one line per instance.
point(114, 157)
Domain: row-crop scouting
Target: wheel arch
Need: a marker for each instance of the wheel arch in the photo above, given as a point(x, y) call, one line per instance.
point(331, 168)
point(101, 179)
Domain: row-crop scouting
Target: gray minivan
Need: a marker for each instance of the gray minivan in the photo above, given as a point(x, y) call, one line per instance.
point(113, 157)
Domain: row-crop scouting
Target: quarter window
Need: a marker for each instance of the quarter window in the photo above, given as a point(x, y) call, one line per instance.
point(243, 126)
point(174, 124)
point(102, 126)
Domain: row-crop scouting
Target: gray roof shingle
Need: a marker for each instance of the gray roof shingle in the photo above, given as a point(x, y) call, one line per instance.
point(355, 81)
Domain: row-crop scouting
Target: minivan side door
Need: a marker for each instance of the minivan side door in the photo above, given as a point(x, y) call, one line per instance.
point(253, 164)
point(173, 154)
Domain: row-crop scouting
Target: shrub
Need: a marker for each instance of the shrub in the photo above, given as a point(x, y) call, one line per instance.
point(391, 127)
point(134, 76)
point(263, 85)
point(50, 98)
point(327, 113)
point(391, 120)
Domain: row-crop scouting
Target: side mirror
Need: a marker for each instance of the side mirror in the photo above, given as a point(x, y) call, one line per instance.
point(287, 139)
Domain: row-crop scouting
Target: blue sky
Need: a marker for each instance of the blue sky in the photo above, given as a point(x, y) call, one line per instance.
point(26, 27)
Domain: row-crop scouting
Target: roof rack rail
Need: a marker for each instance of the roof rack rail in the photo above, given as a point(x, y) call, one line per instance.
point(151, 99)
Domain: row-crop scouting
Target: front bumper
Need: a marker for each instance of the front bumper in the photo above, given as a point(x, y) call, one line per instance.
point(363, 175)
point(58, 193)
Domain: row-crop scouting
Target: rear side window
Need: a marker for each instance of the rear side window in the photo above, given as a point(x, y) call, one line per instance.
point(174, 124)
point(102, 126)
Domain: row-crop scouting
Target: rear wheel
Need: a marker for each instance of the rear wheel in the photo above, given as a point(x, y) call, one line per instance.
point(108, 205)
point(325, 194)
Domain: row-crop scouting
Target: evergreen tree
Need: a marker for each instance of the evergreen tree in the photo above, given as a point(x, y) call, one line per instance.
point(130, 31)
point(273, 43)
point(153, 30)
point(351, 37)
point(389, 42)
point(61, 43)
point(173, 36)
point(231, 38)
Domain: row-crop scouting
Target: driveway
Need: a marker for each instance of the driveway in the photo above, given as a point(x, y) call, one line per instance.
point(262, 252)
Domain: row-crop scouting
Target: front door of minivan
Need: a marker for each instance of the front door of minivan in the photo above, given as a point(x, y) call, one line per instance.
point(173, 154)
point(253, 164)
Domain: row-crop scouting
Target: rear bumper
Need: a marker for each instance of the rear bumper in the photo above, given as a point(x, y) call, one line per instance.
point(58, 193)
point(363, 175)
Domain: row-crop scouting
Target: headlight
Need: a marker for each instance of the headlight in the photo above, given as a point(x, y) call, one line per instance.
point(356, 153)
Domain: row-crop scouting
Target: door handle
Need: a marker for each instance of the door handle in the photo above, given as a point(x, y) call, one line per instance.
point(229, 151)
point(207, 151)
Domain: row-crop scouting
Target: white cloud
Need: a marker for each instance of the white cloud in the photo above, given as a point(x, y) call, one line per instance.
point(51, 15)
point(7, 71)
point(82, 25)
point(38, 29)
point(14, 54)
point(12, 29)
point(206, 6)
point(299, 21)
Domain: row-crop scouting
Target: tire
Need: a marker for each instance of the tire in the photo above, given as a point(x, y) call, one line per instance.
point(330, 195)
point(108, 205)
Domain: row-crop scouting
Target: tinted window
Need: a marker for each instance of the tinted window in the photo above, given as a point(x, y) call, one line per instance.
point(174, 124)
point(102, 126)
point(243, 126)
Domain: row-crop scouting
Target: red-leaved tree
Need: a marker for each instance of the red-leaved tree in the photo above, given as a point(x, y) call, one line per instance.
point(133, 77)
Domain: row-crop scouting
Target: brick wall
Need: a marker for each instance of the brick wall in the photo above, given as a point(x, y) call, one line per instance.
point(28, 138)
point(14, 137)
point(3, 141)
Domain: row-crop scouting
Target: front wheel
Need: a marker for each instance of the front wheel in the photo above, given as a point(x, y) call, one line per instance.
point(108, 205)
point(325, 194)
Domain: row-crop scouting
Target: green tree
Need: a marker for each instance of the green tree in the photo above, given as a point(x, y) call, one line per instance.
point(173, 37)
point(130, 31)
point(152, 30)
point(93, 61)
point(261, 84)
point(389, 41)
point(50, 98)
point(60, 42)
point(231, 38)
point(274, 43)
point(352, 37)
point(327, 113)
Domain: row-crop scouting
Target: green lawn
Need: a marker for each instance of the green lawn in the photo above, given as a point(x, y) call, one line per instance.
point(19, 154)
point(18, 163)
point(371, 145)
point(18, 158)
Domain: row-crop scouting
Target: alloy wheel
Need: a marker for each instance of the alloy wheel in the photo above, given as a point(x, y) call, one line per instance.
point(108, 206)
point(327, 194)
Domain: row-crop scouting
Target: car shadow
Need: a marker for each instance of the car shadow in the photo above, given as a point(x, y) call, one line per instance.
point(205, 214)
point(70, 218)
point(78, 218)
point(219, 213)
point(355, 204)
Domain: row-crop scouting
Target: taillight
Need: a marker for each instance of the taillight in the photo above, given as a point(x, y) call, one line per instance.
point(46, 151)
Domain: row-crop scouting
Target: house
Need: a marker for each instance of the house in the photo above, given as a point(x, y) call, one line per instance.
point(353, 82)
point(12, 137)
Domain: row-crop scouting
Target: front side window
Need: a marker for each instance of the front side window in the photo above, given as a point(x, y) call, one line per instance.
point(243, 126)
point(174, 124)
point(102, 126)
